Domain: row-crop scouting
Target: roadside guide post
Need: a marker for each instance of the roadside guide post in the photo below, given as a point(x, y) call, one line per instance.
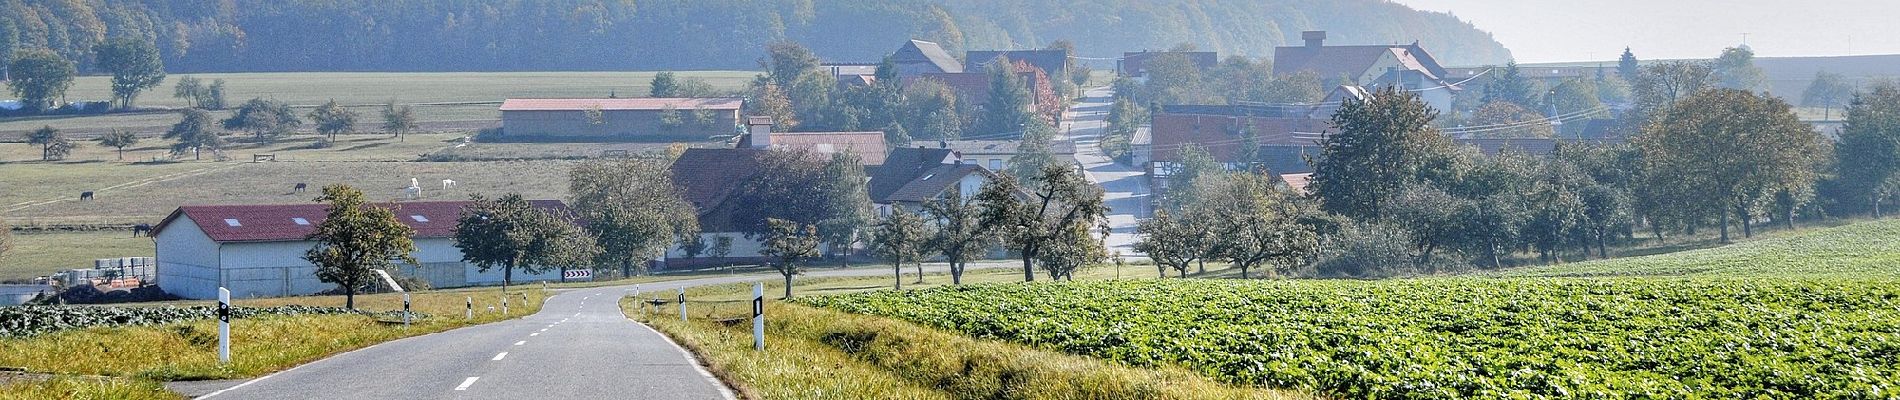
point(682, 304)
point(405, 310)
point(758, 316)
point(470, 312)
point(224, 325)
point(504, 304)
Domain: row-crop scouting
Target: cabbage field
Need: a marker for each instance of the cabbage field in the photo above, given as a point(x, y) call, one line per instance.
point(23, 321)
point(1454, 337)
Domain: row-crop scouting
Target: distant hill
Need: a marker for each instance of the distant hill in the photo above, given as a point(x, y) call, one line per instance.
point(512, 35)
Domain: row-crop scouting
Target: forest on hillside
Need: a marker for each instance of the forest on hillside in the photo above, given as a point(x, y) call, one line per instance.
point(523, 35)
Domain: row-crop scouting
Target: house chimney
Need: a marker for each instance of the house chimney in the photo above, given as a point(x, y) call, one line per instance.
point(759, 131)
point(1314, 39)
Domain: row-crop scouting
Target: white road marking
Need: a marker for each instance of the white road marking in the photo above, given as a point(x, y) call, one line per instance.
point(535, 334)
point(499, 356)
point(521, 343)
point(466, 382)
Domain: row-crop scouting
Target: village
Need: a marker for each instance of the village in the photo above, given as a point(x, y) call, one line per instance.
point(1318, 209)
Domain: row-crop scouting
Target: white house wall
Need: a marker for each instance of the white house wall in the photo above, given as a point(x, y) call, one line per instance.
point(187, 260)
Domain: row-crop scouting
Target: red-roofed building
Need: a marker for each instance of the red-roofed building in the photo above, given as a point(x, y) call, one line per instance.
point(619, 119)
point(973, 88)
point(257, 250)
point(1406, 67)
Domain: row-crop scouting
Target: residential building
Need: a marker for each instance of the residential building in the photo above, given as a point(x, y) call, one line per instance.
point(1405, 67)
point(1135, 64)
point(994, 155)
point(918, 57)
point(619, 119)
point(257, 250)
point(911, 177)
point(868, 145)
point(973, 88)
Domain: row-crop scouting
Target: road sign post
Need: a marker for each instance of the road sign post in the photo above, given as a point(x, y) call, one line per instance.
point(405, 310)
point(758, 316)
point(224, 326)
point(682, 304)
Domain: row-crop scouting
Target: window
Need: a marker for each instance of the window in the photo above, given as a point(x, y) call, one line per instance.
point(232, 222)
point(927, 177)
point(300, 221)
point(419, 218)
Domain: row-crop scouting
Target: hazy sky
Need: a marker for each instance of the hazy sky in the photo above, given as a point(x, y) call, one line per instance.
point(1584, 30)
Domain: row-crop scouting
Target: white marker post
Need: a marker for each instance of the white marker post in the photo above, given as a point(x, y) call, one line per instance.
point(224, 326)
point(405, 310)
point(682, 304)
point(504, 304)
point(758, 316)
point(470, 314)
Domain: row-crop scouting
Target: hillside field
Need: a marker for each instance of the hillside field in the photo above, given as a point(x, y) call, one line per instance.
point(1815, 314)
point(444, 100)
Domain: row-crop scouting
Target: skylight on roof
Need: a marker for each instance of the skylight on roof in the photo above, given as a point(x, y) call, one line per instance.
point(300, 221)
point(927, 177)
point(232, 222)
point(419, 218)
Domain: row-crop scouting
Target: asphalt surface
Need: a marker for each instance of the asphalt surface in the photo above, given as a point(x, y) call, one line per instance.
point(1126, 187)
point(579, 346)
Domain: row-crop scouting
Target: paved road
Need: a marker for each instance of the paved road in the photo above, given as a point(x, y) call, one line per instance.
point(580, 346)
point(1126, 186)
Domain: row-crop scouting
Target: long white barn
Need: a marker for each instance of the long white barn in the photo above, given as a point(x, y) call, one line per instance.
point(257, 250)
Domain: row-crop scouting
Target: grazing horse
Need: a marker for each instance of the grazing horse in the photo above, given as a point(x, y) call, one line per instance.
point(85, 196)
point(448, 183)
point(141, 230)
point(299, 188)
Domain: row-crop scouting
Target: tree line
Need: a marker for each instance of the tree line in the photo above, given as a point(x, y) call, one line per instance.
point(498, 35)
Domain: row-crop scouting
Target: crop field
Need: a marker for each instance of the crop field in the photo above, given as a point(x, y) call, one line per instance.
point(1453, 338)
point(1868, 250)
point(444, 100)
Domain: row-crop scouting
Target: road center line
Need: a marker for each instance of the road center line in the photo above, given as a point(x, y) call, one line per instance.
point(466, 382)
point(521, 343)
point(499, 356)
point(535, 334)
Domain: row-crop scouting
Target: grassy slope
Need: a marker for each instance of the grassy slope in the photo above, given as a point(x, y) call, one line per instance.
point(366, 88)
point(40, 253)
point(1869, 250)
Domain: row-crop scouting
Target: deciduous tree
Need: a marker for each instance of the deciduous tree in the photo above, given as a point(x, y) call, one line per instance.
point(958, 234)
point(1827, 91)
point(355, 239)
point(1030, 219)
point(632, 209)
point(331, 119)
point(511, 234)
point(398, 121)
point(1380, 146)
point(791, 243)
point(1169, 242)
point(39, 77)
point(53, 143)
point(900, 237)
point(1258, 223)
point(1505, 120)
point(263, 118)
point(134, 65)
point(119, 139)
point(1728, 151)
point(194, 132)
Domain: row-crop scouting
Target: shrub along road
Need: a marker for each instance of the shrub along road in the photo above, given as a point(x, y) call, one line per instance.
point(580, 345)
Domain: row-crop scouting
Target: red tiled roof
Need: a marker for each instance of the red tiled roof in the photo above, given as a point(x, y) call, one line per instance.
point(707, 176)
point(277, 222)
point(1219, 134)
point(643, 103)
point(869, 146)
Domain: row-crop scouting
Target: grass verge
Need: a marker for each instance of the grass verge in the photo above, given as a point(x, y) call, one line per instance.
point(84, 388)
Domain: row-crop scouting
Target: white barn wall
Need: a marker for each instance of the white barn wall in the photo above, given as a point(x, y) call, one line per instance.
point(187, 261)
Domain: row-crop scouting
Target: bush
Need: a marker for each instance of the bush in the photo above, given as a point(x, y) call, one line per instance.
point(1366, 250)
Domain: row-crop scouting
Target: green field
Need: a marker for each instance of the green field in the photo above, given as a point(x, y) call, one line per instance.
point(37, 253)
point(445, 100)
point(1814, 314)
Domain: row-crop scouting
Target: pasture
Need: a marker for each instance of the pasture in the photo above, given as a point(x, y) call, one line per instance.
point(443, 100)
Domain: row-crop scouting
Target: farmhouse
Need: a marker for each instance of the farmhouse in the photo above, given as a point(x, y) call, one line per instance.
point(868, 146)
point(918, 57)
point(911, 177)
point(1406, 67)
point(257, 250)
point(619, 119)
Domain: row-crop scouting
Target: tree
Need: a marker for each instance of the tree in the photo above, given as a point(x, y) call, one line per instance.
point(958, 234)
point(213, 96)
point(1626, 66)
point(1505, 120)
point(38, 77)
point(1729, 150)
point(189, 88)
point(791, 243)
point(263, 118)
point(119, 139)
point(1010, 108)
point(1575, 96)
point(769, 100)
point(847, 204)
point(1381, 145)
point(193, 132)
point(1061, 199)
point(663, 85)
point(632, 209)
point(721, 247)
point(331, 119)
point(1257, 223)
point(9, 41)
point(134, 65)
point(1827, 91)
point(1193, 163)
point(53, 144)
point(1508, 84)
point(1869, 146)
point(1034, 152)
point(900, 237)
point(398, 121)
point(1074, 245)
point(1735, 69)
point(510, 234)
point(1173, 78)
point(1659, 86)
point(355, 239)
point(1168, 241)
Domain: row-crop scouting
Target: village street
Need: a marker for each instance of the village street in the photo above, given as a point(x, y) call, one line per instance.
point(1127, 187)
